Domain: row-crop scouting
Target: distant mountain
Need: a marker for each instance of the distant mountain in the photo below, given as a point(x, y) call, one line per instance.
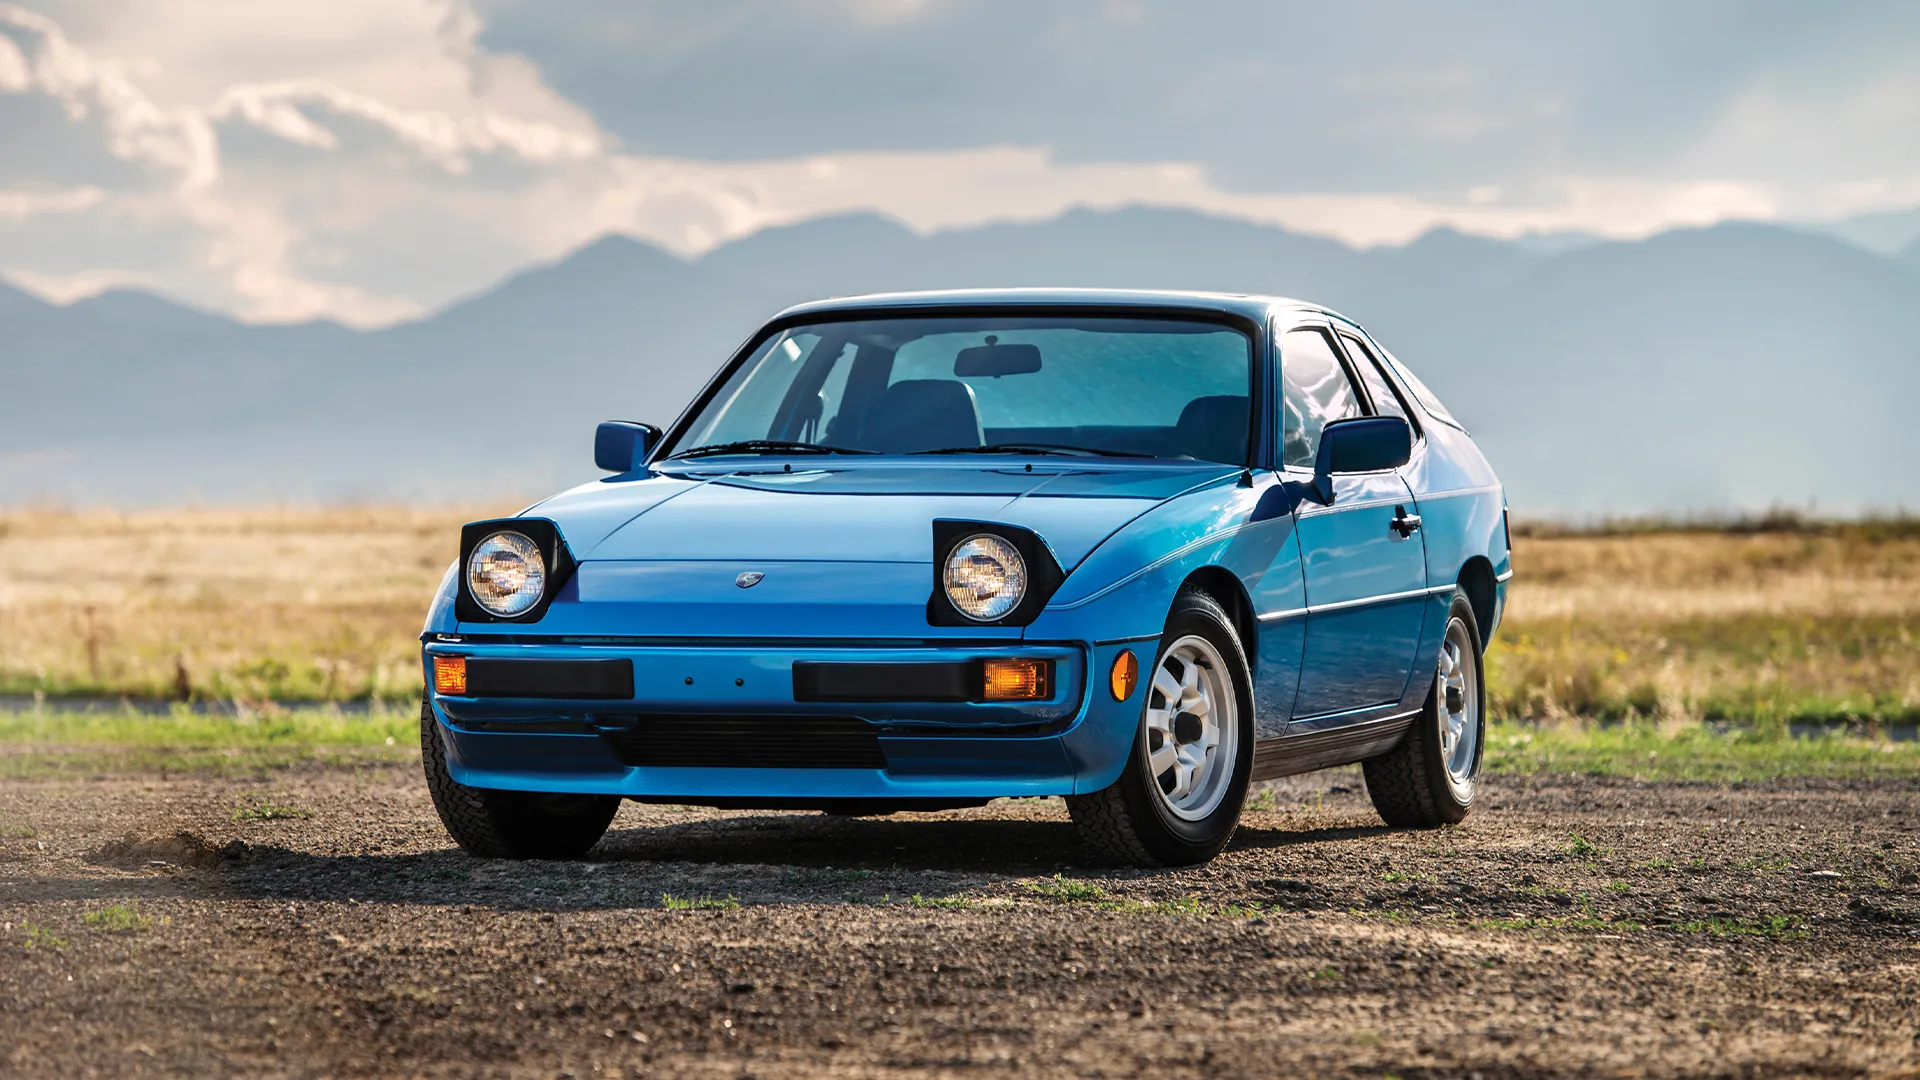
point(1740, 365)
point(1556, 243)
point(1882, 232)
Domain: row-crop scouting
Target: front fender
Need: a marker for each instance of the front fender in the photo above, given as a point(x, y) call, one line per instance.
point(1235, 537)
point(1124, 588)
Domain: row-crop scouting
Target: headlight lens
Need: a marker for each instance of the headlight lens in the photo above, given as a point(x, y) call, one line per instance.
point(506, 573)
point(985, 577)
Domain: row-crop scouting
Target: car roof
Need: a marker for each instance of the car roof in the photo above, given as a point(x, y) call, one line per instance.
point(1246, 305)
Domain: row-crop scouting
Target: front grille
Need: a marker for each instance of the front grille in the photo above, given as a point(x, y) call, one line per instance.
point(747, 742)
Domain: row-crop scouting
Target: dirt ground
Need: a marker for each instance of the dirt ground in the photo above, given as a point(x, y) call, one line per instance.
point(321, 924)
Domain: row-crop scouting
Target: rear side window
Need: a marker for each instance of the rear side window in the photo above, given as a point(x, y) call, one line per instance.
point(1386, 399)
point(1317, 392)
point(1420, 391)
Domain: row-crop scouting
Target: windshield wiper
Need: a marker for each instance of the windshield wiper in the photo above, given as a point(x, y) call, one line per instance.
point(1034, 448)
point(765, 446)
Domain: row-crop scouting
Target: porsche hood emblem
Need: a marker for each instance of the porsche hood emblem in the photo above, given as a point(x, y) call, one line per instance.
point(749, 579)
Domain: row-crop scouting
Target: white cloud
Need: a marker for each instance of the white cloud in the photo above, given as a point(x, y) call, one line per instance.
point(276, 108)
point(366, 160)
point(251, 255)
point(176, 139)
point(66, 288)
point(26, 204)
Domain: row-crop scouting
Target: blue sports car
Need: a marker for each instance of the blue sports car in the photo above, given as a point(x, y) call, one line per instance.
point(918, 551)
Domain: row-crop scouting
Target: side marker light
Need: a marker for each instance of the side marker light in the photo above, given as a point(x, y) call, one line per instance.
point(1125, 675)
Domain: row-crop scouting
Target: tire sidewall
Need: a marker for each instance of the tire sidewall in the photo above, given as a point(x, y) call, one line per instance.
point(1450, 805)
point(1171, 839)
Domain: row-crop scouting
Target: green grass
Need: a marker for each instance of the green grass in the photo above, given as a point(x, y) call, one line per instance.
point(698, 903)
point(1764, 926)
point(50, 742)
point(120, 919)
point(47, 742)
point(1692, 753)
point(1063, 890)
point(184, 728)
point(39, 937)
point(1582, 848)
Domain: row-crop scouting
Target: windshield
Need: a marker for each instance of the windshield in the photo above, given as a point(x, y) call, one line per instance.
point(1157, 388)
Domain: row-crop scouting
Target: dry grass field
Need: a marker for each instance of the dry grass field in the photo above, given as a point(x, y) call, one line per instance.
point(255, 606)
point(1802, 622)
point(1756, 625)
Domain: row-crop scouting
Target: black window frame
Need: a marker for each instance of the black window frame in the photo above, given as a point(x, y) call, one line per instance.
point(1408, 406)
point(1394, 366)
point(1331, 331)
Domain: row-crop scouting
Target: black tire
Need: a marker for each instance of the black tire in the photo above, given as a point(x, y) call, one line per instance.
point(510, 824)
point(1410, 785)
point(1129, 822)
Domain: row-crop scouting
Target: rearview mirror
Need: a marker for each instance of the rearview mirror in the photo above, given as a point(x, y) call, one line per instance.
point(996, 360)
point(621, 445)
point(1362, 444)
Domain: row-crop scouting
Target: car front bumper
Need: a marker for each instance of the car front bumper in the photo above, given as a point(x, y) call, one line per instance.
point(727, 720)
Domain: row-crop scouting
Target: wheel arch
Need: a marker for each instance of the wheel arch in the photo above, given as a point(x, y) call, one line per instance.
point(1223, 585)
point(1476, 580)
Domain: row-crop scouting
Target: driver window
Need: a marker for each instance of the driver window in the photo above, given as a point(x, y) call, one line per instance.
point(1316, 393)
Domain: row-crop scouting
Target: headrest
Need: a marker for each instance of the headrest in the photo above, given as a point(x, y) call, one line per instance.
point(923, 414)
point(1215, 428)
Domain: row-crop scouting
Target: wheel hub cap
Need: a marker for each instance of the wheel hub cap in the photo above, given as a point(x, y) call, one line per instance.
point(1459, 709)
point(1192, 723)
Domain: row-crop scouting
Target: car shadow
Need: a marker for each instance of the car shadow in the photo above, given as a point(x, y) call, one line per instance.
point(748, 859)
point(1249, 838)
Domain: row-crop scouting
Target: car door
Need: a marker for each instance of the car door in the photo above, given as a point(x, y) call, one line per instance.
point(1363, 558)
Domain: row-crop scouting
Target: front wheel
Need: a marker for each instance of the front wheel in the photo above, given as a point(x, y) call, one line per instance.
point(1178, 799)
point(1432, 776)
point(510, 824)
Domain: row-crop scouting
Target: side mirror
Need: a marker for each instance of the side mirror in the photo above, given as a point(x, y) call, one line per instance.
point(1362, 444)
point(621, 445)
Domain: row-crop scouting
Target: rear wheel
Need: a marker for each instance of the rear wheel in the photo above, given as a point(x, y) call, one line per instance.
point(1432, 776)
point(510, 824)
point(1178, 799)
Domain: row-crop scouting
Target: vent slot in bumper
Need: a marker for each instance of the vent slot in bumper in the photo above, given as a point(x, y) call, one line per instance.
point(493, 677)
point(745, 742)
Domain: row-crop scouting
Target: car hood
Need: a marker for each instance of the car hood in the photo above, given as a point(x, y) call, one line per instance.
point(866, 512)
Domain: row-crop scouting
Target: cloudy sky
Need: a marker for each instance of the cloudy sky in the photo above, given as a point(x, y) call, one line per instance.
point(368, 160)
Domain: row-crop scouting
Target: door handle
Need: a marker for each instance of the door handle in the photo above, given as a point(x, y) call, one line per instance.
point(1404, 523)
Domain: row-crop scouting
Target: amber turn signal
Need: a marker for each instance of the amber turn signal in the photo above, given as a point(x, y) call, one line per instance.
point(1125, 675)
point(450, 675)
point(1018, 680)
